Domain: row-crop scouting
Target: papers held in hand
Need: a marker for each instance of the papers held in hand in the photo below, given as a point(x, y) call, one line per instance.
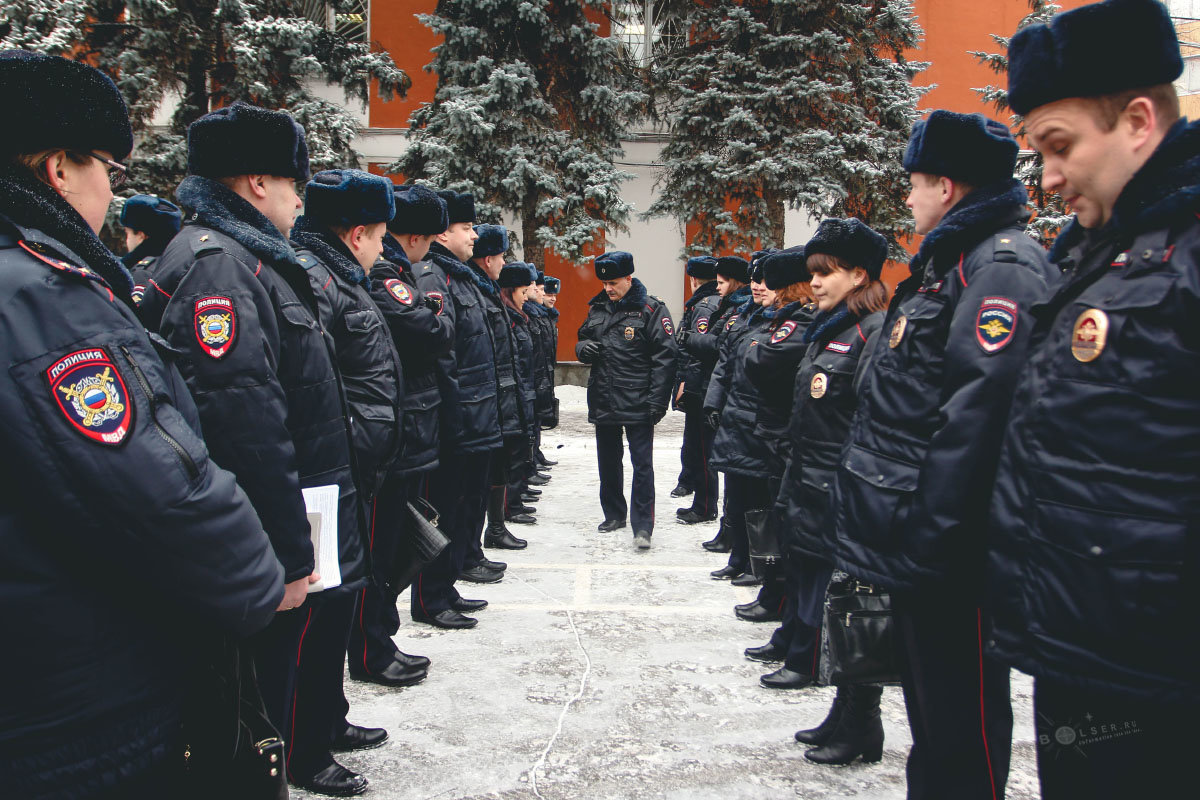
point(321, 503)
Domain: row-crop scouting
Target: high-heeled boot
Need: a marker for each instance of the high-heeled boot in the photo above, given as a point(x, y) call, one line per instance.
point(821, 734)
point(497, 534)
point(860, 732)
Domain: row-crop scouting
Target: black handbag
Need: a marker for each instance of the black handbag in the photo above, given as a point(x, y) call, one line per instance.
point(762, 529)
point(859, 630)
point(420, 543)
point(231, 749)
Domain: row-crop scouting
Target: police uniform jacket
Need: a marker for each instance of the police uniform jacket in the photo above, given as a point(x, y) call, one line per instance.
point(541, 329)
point(366, 358)
point(1095, 520)
point(630, 383)
point(120, 536)
point(470, 403)
point(825, 392)
point(771, 367)
point(508, 395)
point(917, 469)
point(140, 262)
point(231, 297)
point(525, 352)
point(698, 312)
point(736, 449)
point(705, 346)
point(422, 336)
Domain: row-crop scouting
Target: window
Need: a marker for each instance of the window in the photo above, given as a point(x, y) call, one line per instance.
point(348, 17)
point(646, 29)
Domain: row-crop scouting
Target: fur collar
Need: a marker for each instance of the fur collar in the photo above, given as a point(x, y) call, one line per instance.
point(792, 309)
point(828, 324)
point(43, 216)
point(533, 309)
point(150, 248)
point(217, 207)
point(633, 300)
point(977, 215)
point(332, 251)
point(734, 299)
point(394, 253)
point(1166, 185)
point(706, 289)
point(457, 269)
point(552, 313)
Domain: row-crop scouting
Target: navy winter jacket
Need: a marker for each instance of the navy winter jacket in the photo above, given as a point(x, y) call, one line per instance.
point(771, 366)
point(694, 372)
point(736, 448)
point(524, 361)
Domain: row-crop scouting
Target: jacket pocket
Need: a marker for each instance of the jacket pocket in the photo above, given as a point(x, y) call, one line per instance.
point(875, 497)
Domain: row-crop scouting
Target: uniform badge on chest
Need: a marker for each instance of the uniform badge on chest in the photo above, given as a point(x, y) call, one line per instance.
point(1090, 335)
point(820, 383)
point(897, 332)
point(629, 334)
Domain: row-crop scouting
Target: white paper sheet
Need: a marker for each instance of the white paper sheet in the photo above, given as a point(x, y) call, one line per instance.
point(321, 503)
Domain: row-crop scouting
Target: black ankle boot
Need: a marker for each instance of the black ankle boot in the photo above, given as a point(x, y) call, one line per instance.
point(860, 732)
point(720, 542)
point(497, 534)
point(821, 734)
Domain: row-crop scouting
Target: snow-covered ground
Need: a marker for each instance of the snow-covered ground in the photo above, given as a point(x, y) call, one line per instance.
point(600, 671)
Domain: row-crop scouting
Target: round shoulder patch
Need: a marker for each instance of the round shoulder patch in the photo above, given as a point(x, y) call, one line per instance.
point(91, 394)
point(783, 331)
point(702, 325)
point(667, 326)
point(216, 325)
point(399, 291)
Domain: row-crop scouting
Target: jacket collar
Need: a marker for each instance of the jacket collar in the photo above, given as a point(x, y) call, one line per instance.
point(979, 214)
point(734, 299)
point(394, 253)
point(457, 269)
point(633, 300)
point(828, 324)
point(150, 248)
point(215, 206)
point(707, 289)
point(533, 309)
point(332, 251)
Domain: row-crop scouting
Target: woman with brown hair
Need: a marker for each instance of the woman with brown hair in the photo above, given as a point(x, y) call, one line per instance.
point(845, 258)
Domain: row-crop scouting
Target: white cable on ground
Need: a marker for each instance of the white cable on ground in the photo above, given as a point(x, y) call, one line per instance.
point(587, 670)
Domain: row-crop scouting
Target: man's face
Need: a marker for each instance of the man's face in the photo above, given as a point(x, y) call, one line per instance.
point(927, 200)
point(459, 239)
point(616, 289)
point(133, 239)
point(1085, 164)
point(281, 202)
point(366, 243)
point(550, 300)
point(492, 265)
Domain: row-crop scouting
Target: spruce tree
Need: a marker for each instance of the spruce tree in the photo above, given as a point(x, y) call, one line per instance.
point(1050, 212)
point(528, 116)
point(799, 103)
point(203, 54)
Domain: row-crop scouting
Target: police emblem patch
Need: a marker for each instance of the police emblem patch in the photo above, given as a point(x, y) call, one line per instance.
point(398, 290)
point(820, 383)
point(629, 334)
point(702, 325)
point(897, 332)
point(783, 332)
point(729, 324)
point(438, 300)
point(670, 329)
point(139, 291)
point(995, 324)
point(1090, 335)
point(91, 394)
point(216, 325)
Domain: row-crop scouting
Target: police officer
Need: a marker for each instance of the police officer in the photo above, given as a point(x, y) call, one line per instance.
point(697, 477)
point(629, 341)
point(1093, 536)
point(421, 335)
point(122, 540)
point(543, 330)
point(470, 424)
point(234, 300)
point(916, 471)
point(549, 301)
point(150, 223)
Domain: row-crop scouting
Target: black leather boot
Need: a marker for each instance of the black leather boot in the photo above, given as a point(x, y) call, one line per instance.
point(860, 732)
point(496, 534)
point(820, 735)
point(720, 542)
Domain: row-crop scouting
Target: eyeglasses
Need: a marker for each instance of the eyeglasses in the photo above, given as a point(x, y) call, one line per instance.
point(117, 173)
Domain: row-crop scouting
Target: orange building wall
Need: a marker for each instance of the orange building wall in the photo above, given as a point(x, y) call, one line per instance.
point(396, 29)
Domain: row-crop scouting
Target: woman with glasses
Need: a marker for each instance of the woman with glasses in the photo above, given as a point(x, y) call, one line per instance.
point(120, 537)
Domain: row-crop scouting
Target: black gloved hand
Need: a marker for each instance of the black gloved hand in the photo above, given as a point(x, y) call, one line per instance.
point(712, 417)
point(432, 304)
point(684, 335)
point(589, 351)
point(656, 414)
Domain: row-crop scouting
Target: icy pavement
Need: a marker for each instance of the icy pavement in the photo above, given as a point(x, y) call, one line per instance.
point(600, 671)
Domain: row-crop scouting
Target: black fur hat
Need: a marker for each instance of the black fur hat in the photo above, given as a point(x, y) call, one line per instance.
point(852, 242)
point(553, 285)
point(459, 206)
point(611, 266)
point(1092, 50)
point(349, 197)
point(153, 216)
point(492, 241)
point(242, 139)
point(702, 268)
point(785, 267)
point(55, 102)
point(516, 275)
point(756, 259)
point(963, 147)
point(419, 211)
point(541, 278)
point(733, 268)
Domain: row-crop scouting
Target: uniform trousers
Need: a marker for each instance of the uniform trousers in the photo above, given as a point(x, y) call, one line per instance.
point(376, 619)
point(742, 494)
point(695, 456)
point(1103, 747)
point(459, 481)
point(609, 454)
point(957, 700)
point(473, 517)
point(799, 633)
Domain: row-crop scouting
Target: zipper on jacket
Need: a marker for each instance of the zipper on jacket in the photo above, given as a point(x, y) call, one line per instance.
point(188, 464)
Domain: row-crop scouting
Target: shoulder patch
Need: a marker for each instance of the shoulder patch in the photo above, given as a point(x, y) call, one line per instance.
point(667, 326)
point(439, 299)
point(138, 293)
point(838, 347)
point(216, 325)
point(399, 291)
point(995, 324)
point(91, 394)
point(702, 325)
point(732, 320)
point(783, 331)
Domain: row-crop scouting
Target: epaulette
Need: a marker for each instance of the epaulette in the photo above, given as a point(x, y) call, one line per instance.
point(306, 259)
point(51, 259)
point(1003, 248)
point(147, 261)
point(205, 244)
